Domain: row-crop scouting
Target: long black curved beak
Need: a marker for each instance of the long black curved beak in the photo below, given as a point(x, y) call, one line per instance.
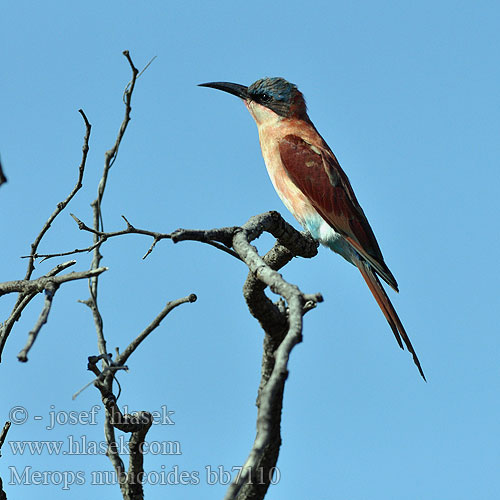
point(232, 88)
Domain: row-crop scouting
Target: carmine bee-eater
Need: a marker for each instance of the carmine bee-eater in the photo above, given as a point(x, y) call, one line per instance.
point(312, 185)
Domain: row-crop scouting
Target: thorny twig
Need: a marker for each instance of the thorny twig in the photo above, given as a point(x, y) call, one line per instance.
point(130, 229)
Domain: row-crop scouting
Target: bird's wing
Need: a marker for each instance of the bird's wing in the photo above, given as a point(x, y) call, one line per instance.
point(317, 173)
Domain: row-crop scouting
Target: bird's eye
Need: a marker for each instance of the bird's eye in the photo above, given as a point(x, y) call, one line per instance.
point(265, 97)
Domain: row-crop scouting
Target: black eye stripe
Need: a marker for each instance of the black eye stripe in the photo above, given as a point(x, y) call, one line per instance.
point(263, 97)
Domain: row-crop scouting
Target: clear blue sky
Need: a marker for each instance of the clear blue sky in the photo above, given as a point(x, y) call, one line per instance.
point(407, 96)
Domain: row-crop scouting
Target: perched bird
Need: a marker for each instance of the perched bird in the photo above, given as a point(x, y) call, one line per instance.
point(309, 180)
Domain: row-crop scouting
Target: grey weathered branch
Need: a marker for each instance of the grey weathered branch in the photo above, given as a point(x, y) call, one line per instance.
point(25, 298)
point(6, 327)
point(46, 256)
point(28, 289)
point(41, 284)
point(282, 325)
point(3, 435)
point(109, 159)
point(214, 237)
point(63, 204)
point(257, 470)
point(220, 238)
point(121, 359)
point(130, 481)
point(137, 424)
point(105, 383)
point(50, 291)
point(281, 320)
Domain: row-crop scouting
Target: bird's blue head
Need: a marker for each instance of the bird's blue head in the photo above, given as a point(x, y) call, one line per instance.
point(275, 93)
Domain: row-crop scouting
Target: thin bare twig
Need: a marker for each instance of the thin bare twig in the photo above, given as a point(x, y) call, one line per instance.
point(109, 159)
point(24, 299)
point(3, 434)
point(42, 283)
point(62, 205)
point(48, 256)
point(100, 378)
point(111, 155)
point(50, 291)
point(122, 358)
point(140, 74)
point(209, 237)
point(6, 327)
point(130, 482)
point(30, 288)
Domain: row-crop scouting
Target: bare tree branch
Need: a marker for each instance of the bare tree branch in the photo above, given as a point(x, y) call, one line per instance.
point(3, 179)
point(282, 320)
point(268, 440)
point(24, 298)
point(137, 424)
point(48, 256)
point(135, 473)
point(272, 320)
point(6, 327)
point(100, 378)
point(28, 289)
point(62, 205)
point(283, 327)
point(109, 159)
point(3, 435)
point(131, 481)
point(122, 358)
point(209, 237)
point(111, 154)
point(50, 291)
point(41, 284)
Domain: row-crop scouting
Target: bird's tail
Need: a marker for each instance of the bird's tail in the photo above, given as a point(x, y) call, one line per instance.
point(388, 309)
